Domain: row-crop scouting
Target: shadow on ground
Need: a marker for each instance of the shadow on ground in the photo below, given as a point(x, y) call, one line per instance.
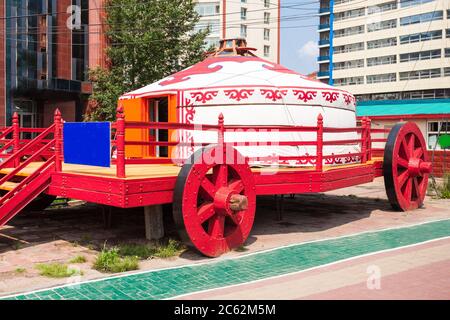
point(85, 224)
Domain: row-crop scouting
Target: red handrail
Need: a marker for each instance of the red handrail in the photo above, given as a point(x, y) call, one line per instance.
point(22, 151)
point(48, 164)
point(365, 140)
point(5, 133)
point(20, 167)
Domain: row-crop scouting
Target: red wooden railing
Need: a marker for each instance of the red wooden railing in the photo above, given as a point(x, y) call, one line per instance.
point(365, 141)
point(11, 141)
point(11, 138)
point(22, 156)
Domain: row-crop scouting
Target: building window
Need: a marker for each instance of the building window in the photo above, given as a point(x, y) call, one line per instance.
point(447, 32)
point(266, 3)
point(244, 13)
point(243, 31)
point(410, 3)
point(266, 34)
point(435, 129)
point(208, 25)
point(427, 94)
point(207, 9)
point(376, 26)
point(423, 36)
point(266, 51)
point(266, 17)
point(348, 64)
point(377, 61)
point(349, 14)
point(349, 81)
point(349, 47)
point(446, 72)
point(420, 18)
point(408, 95)
point(378, 78)
point(342, 1)
point(348, 31)
point(244, 1)
point(382, 7)
point(420, 74)
point(447, 52)
point(388, 42)
point(211, 43)
point(423, 55)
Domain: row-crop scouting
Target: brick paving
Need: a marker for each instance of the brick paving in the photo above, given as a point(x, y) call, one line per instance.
point(58, 235)
point(168, 283)
point(415, 272)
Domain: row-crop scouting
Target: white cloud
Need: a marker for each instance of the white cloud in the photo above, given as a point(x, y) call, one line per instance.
point(309, 50)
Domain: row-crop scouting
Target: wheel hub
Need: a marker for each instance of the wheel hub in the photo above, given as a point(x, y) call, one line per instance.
point(227, 201)
point(418, 167)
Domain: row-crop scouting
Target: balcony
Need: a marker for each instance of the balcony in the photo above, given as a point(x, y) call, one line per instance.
point(323, 74)
point(322, 59)
point(324, 27)
point(324, 11)
point(324, 43)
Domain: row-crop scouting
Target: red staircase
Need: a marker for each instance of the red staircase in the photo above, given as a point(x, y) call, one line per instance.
point(25, 174)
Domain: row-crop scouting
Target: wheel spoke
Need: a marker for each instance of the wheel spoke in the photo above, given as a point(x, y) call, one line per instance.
point(405, 148)
point(234, 218)
point(408, 190)
point(402, 162)
point(236, 186)
point(206, 212)
point(418, 153)
point(216, 226)
point(402, 178)
point(411, 145)
point(209, 187)
point(221, 175)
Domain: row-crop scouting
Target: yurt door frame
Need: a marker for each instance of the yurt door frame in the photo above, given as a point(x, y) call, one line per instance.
point(161, 109)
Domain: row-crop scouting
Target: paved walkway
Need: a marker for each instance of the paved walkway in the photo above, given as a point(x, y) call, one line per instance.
point(415, 272)
point(219, 273)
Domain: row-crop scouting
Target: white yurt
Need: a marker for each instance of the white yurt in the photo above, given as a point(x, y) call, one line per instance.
point(248, 91)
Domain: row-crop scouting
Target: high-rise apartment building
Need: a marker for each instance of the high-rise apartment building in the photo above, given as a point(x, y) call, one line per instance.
point(257, 21)
point(394, 55)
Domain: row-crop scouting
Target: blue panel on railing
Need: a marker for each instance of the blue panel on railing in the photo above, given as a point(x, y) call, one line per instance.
point(87, 143)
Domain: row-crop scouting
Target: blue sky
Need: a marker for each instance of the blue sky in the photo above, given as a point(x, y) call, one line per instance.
point(299, 35)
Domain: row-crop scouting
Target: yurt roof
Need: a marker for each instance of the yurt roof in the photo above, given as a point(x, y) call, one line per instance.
point(248, 73)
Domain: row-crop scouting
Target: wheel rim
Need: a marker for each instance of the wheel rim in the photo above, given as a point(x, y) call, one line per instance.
point(406, 167)
point(215, 201)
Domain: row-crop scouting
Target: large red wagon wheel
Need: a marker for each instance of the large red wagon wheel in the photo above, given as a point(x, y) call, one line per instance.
point(406, 167)
point(214, 200)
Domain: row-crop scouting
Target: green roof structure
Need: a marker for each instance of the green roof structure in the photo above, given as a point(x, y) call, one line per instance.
point(412, 108)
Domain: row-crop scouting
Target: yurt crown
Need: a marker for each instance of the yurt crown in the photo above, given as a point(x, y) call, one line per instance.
point(233, 47)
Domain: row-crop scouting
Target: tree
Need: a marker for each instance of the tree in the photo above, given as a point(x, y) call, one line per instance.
point(148, 40)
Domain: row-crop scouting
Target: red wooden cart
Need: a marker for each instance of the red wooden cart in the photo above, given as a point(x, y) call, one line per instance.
point(214, 192)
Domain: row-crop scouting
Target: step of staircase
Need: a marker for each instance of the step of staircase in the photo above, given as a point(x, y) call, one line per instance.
point(8, 185)
point(25, 172)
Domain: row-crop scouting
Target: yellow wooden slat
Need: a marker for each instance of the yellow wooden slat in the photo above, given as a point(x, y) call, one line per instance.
point(8, 186)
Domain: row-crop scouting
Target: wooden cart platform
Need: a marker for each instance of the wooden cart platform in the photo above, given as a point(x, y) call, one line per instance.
point(213, 191)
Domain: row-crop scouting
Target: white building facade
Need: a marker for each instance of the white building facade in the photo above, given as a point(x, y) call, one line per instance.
point(393, 51)
point(257, 21)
